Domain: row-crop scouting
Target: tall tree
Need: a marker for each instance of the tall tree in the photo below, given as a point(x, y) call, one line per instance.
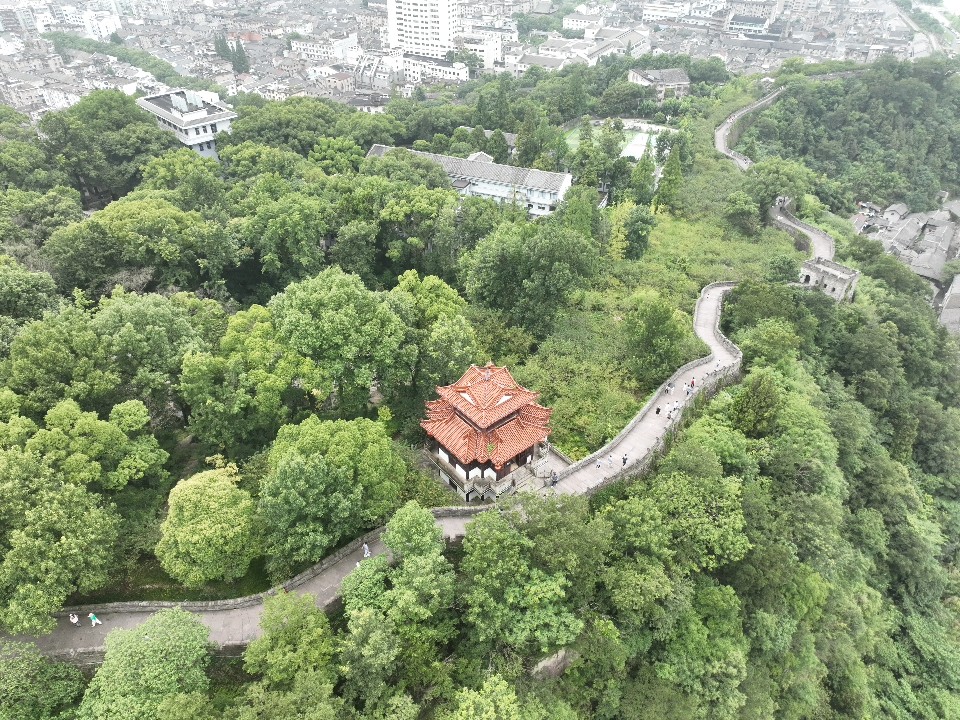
point(239, 59)
point(55, 538)
point(140, 242)
point(103, 141)
point(220, 46)
point(499, 614)
point(772, 178)
point(209, 530)
point(497, 147)
point(28, 219)
point(337, 155)
point(293, 124)
point(296, 640)
point(415, 598)
point(286, 236)
point(144, 339)
point(56, 480)
point(639, 224)
point(657, 337)
point(445, 344)
point(327, 480)
point(346, 329)
point(195, 181)
point(24, 295)
point(529, 273)
point(667, 194)
point(642, 179)
point(158, 661)
point(617, 245)
point(495, 700)
point(251, 386)
point(32, 686)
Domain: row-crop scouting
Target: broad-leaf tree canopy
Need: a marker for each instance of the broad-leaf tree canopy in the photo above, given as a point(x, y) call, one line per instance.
point(191, 374)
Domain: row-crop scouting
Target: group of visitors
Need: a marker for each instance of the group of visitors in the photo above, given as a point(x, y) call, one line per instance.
point(673, 408)
point(94, 620)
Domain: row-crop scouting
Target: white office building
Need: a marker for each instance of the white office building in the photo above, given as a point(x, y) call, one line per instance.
point(538, 190)
point(194, 116)
point(664, 10)
point(100, 25)
point(418, 69)
point(423, 27)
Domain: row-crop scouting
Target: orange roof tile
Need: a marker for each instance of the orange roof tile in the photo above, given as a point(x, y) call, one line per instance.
point(486, 416)
point(486, 395)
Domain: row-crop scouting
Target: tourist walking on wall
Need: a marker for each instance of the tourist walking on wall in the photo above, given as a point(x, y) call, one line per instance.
point(94, 620)
point(74, 620)
point(366, 550)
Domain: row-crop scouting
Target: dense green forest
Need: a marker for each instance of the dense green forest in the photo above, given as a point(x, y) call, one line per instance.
point(187, 413)
point(890, 133)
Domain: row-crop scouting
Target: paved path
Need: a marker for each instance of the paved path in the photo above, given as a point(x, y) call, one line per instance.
point(821, 244)
point(647, 429)
point(229, 627)
point(721, 136)
point(233, 624)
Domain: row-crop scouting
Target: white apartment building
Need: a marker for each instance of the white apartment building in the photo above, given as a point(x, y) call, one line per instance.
point(707, 9)
point(423, 27)
point(488, 48)
point(672, 82)
point(540, 191)
point(654, 11)
point(504, 31)
point(417, 69)
point(16, 17)
point(22, 93)
point(71, 15)
point(195, 117)
point(747, 25)
point(578, 21)
point(342, 49)
point(43, 17)
point(100, 25)
point(10, 45)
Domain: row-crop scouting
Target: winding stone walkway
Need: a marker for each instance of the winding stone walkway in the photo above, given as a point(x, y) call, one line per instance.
point(643, 436)
point(821, 244)
point(234, 623)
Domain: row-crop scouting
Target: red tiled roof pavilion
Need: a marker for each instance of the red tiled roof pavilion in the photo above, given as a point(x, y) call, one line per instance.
point(486, 417)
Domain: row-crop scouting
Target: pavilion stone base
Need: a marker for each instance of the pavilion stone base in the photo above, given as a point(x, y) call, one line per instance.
point(481, 488)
